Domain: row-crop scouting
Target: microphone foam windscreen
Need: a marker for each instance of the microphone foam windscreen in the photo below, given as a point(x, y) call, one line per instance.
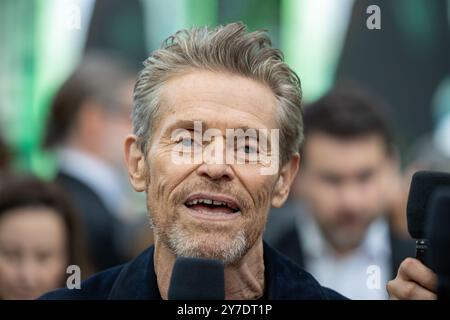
point(438, 233)
point(197, 279)
point(423, 184)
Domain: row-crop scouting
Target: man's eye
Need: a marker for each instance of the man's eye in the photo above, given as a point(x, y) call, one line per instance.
point(365, 176)
point(250, 149)
point(10, 254)
point(186, 142)
point(43, 256)
point(331, 179)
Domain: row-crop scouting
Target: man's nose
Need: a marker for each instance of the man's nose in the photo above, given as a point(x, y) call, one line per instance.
point(215, 171)
point(214, 164)
point(351, 196)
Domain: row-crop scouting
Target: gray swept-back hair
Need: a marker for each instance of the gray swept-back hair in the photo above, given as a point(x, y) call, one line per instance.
point(229, 48)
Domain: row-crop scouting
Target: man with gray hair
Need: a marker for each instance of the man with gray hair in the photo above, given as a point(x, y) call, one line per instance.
point(218, 79)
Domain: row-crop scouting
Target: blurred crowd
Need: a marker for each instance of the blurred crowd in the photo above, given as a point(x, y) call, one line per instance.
point(87, 215)
point(344, 222)
point(346, 211)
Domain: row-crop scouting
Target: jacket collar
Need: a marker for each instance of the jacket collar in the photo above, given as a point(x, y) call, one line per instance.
point(137, 280)
point(283, 279)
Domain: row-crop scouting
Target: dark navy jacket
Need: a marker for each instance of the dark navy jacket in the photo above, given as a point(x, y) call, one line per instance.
point(137, 280)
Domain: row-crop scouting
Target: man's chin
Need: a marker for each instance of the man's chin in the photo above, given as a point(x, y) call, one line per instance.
point(348, 238)
point(208, 245)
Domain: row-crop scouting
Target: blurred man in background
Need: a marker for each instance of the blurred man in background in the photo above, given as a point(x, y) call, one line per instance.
point(341, 234)
point(88, 120)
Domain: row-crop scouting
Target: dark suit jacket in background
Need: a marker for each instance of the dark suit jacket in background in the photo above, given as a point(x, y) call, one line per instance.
point(99, 224)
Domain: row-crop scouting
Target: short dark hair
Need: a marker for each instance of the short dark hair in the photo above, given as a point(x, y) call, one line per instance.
point(99, 76)
point(349, 112)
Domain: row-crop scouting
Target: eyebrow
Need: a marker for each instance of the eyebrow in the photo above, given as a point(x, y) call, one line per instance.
point(185, 124)
point(189, 125)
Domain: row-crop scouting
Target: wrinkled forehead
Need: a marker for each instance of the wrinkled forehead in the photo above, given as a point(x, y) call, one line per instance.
point(218, 100)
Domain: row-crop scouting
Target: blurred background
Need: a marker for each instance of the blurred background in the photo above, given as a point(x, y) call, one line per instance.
point(67, 69)
point(322, 40)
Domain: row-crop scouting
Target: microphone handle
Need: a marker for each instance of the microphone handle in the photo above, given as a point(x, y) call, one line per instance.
point(421, 250)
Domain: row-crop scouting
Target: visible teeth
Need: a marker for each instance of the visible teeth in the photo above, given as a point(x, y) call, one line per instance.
point(208, 201)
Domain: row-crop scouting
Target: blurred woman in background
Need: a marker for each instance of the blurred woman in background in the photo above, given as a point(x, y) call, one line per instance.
point(39, 238)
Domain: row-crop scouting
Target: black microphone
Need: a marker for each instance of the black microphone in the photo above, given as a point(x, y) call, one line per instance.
point(197, 279)
point(423, 184)
point(438, 233)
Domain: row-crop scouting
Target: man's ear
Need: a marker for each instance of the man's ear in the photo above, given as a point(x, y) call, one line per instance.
point(135, 161)
point(287, 175)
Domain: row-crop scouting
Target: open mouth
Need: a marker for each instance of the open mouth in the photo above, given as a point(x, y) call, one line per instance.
point(213, 207)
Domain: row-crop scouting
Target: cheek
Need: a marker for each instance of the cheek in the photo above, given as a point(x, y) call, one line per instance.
point(49, 276)
point(318, 194)
point(323, 203)
point(53, 273)
point(8, 273)
point(260, 187)
point(374, 194)
point(164, 177)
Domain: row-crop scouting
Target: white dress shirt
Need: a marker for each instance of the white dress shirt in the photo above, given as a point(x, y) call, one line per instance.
point(360, 274)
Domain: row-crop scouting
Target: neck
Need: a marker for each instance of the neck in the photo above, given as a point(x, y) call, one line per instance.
point(243, 279)
point(342, 251)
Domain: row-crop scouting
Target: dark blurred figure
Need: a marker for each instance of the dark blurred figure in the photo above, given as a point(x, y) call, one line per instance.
point(88, 122)
point(430, 152)
point(112, 23)
point(404, 61)
point(341, 232)
point(4, 156)
point(39, 238)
